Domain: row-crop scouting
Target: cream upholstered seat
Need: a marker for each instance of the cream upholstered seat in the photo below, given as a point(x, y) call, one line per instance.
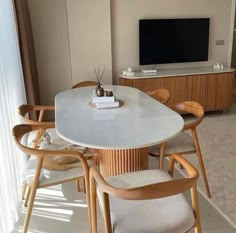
point(146, 201)
point(182, 143)
point(175, 217)
point(37, 177)
point(49, 176)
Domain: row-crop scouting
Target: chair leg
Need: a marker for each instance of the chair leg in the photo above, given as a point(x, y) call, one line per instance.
point(107, 216)
point(161, 157)
point(32, 194)
point(24, 187)
point(82, 180)
point(194, 198)
point(29, 209)
point(83, 184)
point(77, 182)
point(93, 207)
point(28, 190)
point(201, 163)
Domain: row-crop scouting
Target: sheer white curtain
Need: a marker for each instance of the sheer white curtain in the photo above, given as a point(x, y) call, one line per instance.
point(12, 94)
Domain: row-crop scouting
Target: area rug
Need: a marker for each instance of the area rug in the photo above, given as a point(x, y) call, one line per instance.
point(217, 136)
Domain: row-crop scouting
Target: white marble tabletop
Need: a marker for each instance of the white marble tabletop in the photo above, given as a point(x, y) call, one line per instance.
point(140, 122)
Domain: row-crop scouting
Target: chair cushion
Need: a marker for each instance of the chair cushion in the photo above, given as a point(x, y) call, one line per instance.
point(49, 176)
point(182, 142)
point(171, 214)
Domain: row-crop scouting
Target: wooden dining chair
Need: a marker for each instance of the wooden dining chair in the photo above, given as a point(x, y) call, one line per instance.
point(146, 201)
point(34, 137)
point(37, 177)
point(185, 143)
point(162, 95)
point(84, 84)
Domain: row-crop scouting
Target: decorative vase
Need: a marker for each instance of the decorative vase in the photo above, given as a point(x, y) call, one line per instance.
point(99, 90)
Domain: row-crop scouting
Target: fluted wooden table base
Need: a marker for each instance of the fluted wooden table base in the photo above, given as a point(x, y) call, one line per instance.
point(116, 162)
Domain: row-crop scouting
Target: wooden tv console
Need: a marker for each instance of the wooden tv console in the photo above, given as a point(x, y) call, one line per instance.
point(212, 89)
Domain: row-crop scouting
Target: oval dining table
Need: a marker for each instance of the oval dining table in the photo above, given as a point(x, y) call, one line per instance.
point(121, 136)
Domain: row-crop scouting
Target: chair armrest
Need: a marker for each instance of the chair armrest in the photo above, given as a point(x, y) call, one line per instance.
point(27, 108)
point(191, 171)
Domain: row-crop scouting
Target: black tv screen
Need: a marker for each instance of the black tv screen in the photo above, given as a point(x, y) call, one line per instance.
point(173, 40)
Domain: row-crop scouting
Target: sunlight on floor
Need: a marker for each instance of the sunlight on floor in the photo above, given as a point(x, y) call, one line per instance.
point(56, 209)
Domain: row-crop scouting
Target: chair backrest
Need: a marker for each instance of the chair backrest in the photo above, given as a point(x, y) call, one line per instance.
point(193, 108)
point(85, 84)
point(25, 109)
point(161, 95)
point(151, 191)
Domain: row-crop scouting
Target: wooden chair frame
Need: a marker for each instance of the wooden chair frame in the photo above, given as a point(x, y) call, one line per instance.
point(162, 95)
point(197, 110)
point(24, 109)
point(18, 132)
point(150, 191)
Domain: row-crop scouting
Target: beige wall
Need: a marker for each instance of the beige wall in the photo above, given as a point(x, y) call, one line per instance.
point(49, 25)
point(74, 36)
point(125, 16)
point(71, 38)
point(90, 39)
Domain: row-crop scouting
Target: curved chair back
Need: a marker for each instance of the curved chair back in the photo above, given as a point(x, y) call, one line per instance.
point(161, 95)
point(85, 84)
point(193, 108)
point(25, 109)
point(152, 191)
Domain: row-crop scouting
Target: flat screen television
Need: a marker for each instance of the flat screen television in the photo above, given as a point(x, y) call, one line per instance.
point(173, 40)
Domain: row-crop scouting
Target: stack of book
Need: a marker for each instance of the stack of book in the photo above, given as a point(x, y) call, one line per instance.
point(104, 101)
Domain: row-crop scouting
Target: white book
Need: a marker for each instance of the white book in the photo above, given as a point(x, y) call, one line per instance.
point(107, 105)
point(102, 99)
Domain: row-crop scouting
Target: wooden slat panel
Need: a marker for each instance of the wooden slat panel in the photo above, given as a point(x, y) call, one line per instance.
point(116, 162)
point(212, 91)
point(199, 89)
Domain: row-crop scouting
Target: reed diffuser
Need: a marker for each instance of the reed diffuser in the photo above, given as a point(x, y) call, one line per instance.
point(99, 89)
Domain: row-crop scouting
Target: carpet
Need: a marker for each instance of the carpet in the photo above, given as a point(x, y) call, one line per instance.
point(217, 136)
